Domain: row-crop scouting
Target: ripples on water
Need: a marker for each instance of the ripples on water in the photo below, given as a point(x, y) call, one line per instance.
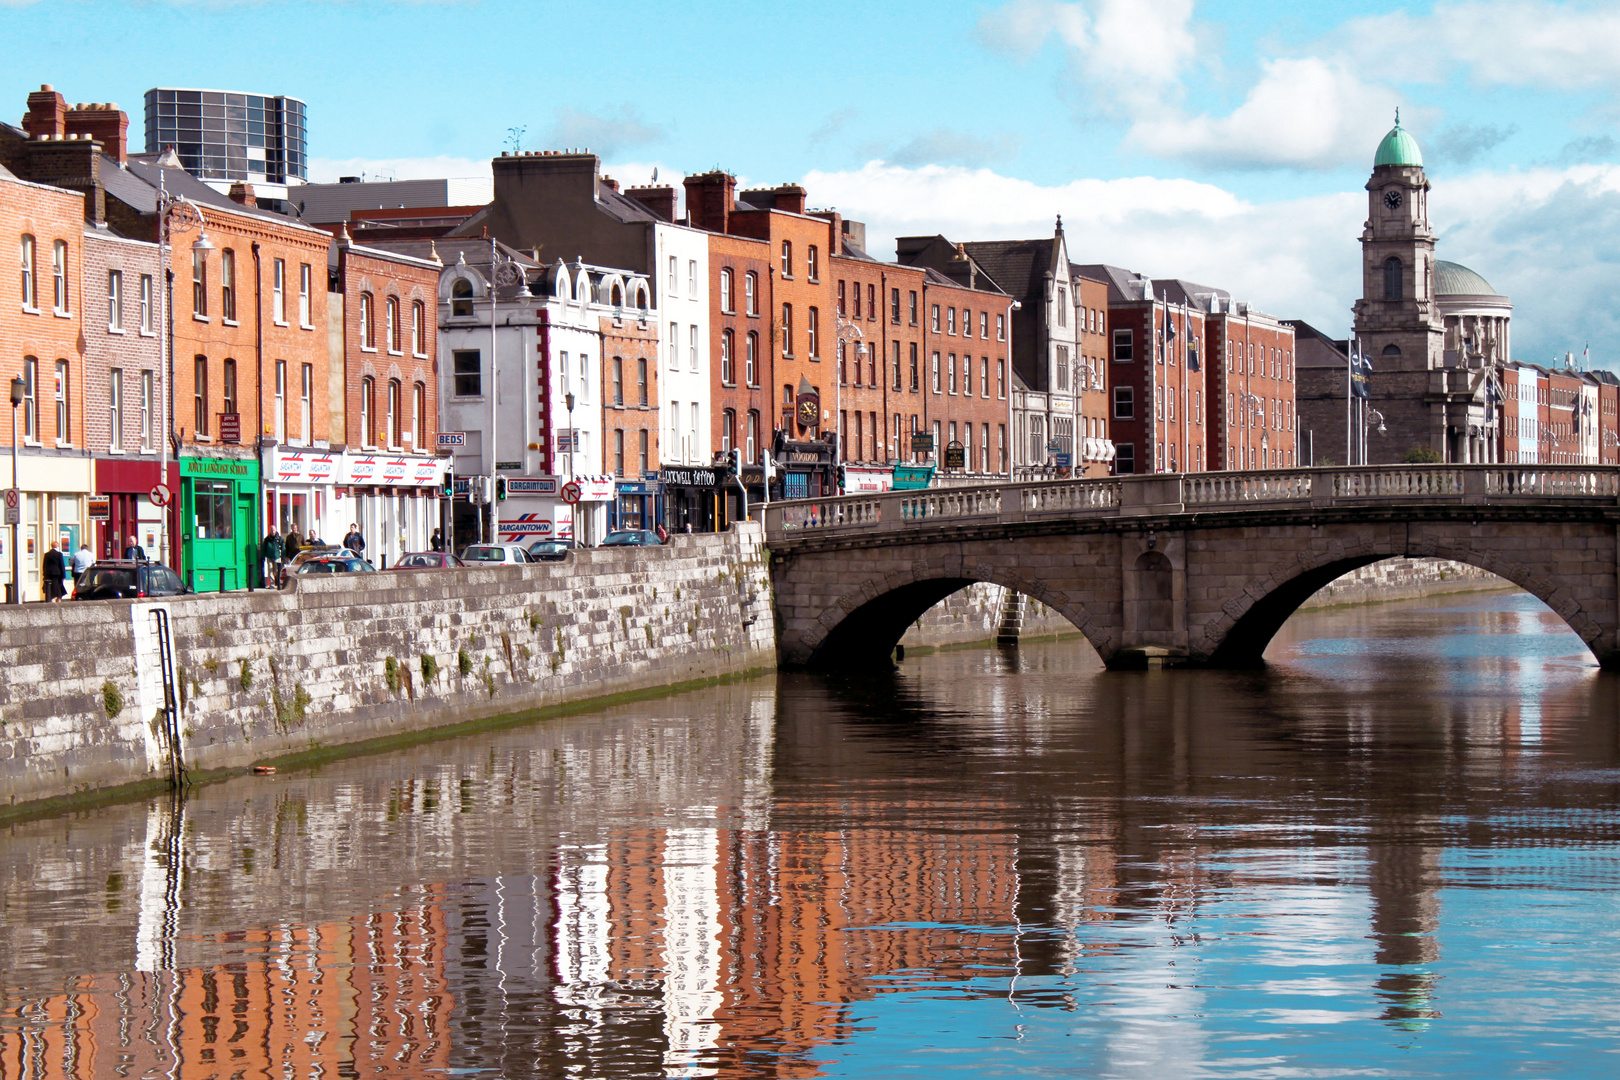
point(1392, 853)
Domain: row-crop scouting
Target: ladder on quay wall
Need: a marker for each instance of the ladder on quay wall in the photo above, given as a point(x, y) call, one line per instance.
point(1012, 618)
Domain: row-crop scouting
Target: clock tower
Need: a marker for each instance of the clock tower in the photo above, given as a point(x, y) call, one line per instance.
point(1399, 325)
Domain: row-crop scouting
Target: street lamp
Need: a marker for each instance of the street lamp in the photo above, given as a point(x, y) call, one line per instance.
point(19, 389)
point(573, 436)
point(1371, 417)
point(847, 332)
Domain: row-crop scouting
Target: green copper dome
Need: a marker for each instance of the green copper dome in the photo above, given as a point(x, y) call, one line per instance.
point(1398, 148)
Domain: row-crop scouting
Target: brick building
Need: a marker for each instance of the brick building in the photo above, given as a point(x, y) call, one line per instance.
point(1252, 369)
point(1094, 448)
point(1321, 373)
point(630, 428)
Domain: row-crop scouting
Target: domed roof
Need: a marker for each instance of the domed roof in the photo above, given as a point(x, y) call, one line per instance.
point(1398, 148)
point(1455, 279)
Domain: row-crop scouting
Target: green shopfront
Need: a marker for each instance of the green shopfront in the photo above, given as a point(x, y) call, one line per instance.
point(219, 523)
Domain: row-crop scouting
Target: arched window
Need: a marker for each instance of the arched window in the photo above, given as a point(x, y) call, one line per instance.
point(461, 297)
point(1392, 278)
point(641, 297)
point(750, 453)
point(395, 413)
point(728, 364)
point(728, 430)
point(393, 324)
point(418, 345)
point(618, 295)
point(30, 295)
point(751, 293)
point(368, 392)
point(751, 359)
point(1392, 350)
point(368, 324)
point(725, 290)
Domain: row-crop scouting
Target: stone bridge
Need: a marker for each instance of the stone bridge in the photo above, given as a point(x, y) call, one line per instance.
point(1198, 569)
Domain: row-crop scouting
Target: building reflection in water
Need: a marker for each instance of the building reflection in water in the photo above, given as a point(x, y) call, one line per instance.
point(667, 895)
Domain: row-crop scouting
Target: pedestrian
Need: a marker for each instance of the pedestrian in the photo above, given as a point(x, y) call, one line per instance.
point(312, 540)
point(270, 551)
point(54, 571)
point(354, 541)
point(135, 551)
point(437, 543)
point(83, 559)
point(662, 533)
point(290, 549)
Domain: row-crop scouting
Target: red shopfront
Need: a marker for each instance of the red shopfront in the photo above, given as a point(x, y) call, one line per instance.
point(128, 487)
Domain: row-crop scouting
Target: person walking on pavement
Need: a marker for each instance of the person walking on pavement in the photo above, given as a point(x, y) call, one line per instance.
point(54, 570)
point(83, 559)
point(354, 541)
point(135, 551)
point(290, 549)
point(312, 540)
point(437, 543)
point(270, 551)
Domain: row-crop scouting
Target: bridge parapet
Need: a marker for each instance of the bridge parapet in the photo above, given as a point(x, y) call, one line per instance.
point(1169, 493)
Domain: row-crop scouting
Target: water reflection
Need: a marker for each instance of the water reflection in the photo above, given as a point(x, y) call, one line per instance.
point(1374, 852)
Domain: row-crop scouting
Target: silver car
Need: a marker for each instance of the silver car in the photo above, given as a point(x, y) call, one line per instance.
point(479, 554)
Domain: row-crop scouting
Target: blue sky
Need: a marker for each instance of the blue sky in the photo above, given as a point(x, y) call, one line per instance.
point(1223, 141)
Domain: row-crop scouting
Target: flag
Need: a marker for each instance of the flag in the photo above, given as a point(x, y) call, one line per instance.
point(1586, 357)
point(1360, 370)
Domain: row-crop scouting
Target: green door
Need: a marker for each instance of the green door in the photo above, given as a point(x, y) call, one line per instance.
point(211, 534)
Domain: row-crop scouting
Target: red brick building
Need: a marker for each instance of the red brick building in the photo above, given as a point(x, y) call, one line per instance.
point(630, 414)
point(963, 407)
point(1094, 449)
point(1252, 361)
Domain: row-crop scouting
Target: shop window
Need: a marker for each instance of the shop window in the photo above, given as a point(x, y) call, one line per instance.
point(213, 505)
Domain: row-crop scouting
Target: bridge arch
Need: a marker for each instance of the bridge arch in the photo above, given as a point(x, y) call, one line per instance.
point(1239, 635)
point(865, 624)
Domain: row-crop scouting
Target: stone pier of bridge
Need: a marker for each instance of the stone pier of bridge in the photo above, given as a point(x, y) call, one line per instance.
point(1197, 569)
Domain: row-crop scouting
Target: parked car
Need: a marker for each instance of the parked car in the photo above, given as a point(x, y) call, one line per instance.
point(631, 538)
point(336, 564)
point(128, 579)
point(308, 553)
point(474, 554)
point(426, 560)
point(549, 550)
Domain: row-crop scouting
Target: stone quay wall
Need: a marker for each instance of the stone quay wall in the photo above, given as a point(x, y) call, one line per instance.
point(973, 617)
point(348, 658)
point(1404, 579)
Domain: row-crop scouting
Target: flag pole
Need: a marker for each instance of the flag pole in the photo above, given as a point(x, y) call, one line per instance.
point(1349, 395)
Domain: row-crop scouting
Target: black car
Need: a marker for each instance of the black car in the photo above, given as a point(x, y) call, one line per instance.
point(631, 538)
point(128, 579)
point(549, 550)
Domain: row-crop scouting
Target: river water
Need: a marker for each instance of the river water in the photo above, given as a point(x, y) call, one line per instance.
point(1394, 852)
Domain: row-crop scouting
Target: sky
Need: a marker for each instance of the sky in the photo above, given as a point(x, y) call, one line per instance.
point(1222, 141)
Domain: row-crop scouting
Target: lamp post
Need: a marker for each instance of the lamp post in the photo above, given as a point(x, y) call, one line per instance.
point(176, 213)
point(847, 332)
point(573, 436)
point(19, 389)
point(1370, 417)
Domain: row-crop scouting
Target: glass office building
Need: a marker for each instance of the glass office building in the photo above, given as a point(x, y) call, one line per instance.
point(219, 135)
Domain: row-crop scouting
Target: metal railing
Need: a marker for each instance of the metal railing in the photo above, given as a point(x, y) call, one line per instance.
point(1166, 493)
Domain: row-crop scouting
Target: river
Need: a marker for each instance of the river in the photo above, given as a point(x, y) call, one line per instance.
point(1393, 852)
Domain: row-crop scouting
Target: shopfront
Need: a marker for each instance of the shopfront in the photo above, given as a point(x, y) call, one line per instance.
point(636, 505)
point(534, 510)
point(219, 523)
point(54, 490)
point(393, 498)
point(863, 481)
point(127, 486)
point(299, 493)
point(693, 499)
point(597, 495)
point(804, 470)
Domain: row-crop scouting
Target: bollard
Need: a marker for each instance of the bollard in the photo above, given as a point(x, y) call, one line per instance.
point(222, 579)
point(385, 562)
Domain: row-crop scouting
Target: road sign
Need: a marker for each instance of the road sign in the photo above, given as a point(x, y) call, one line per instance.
point(571, 492)
point(452, 438)
point(159, 494)
point(13, 506)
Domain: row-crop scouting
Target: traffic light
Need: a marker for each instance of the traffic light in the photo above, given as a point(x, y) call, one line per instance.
point(500, 488)
point(843, 478)
point(447, 488)
point(735, 460)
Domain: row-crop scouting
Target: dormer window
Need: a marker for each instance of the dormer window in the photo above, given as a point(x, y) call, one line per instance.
point(461, 297)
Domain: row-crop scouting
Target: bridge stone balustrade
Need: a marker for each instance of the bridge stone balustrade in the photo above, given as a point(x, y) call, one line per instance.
point(1198, 569)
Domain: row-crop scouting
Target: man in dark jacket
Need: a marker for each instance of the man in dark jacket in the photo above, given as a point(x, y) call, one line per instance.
point(270, 551)
point(135, 551)
point(54, 571)
point(354, 541)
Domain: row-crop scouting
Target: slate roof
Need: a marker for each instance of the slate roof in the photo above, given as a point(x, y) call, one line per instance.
point(1124, 286)
point(1018, 267)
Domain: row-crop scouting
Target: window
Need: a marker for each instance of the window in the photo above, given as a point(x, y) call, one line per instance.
point(199, 285)
point(813, 333)
point(146, 303)
point(967, 375)
point(418, 412)
point(618, 380)
point(933, 318)
point(395, 414)
point(750, 293)
point(984, 448)
point(871, 302)
point(933, 373)
point(391, 311)
point(641, 382)
point(213, 508)
point(643, 455)
point(278, 291)
point(618, 451)
point(843, 365)
point(199, 396)
point(148, 412)
point(1124, 347)
point(692, 347)
point(1124, 403)
point(368, 409)
point(30, 399)
point(281, 401)
point(306, 402)
point(751, 434)
point(842, 310)
point(913, 307)
point(984, 376)
point(950, 321)
point(728, 425)
point(227, 285)
point(896, 366)
point(418, 341)
point(468, 367)
point(693, 452)
point(725, 291)
point(672, 275)
point(728, 372)
point(951, 372)
point(691, 278)
point(461, 298)
point(368, 323)
point(751, 359)
point(1062, 367)
point(812, 266)
point(1001, 378)
point(787, 329)
point(59, 277)
point(1125, 459)
point(30, 297)
point(915, 385)
point(894, 306)
point(115, 300)
point(674, 346)
point(787, 259)
point(305, 277)
point(1001, 328)
point(1062, 307)
point(228, 398)
point(64, 430)
point(1392, 278)
point(984, 332)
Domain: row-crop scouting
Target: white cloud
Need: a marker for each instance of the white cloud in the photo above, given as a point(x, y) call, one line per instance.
point(1543, 237)
point(605, 133)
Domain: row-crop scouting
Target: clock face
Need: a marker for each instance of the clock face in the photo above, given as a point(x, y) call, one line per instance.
point(1392, 199)
point(808, 414)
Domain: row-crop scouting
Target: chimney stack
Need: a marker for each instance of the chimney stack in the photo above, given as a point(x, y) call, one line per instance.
point(710, 198)
point(788, 197)
point(242, 194)
point(660, 200)
point(47, 113)
point(105, 122)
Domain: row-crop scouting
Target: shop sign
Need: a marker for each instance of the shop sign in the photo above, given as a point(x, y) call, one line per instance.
point(638, 488)
point(596, 488)
point(233, 467)
point(955, 456)
point(230, 427)
point(510, 466)
point(99, 507)
point(305, 467)
point(452, 438)
point(922, 442)
point(381, 470)
point(526, 528)
point(858, 481)
point(689, 477)
point(546, 485)
point(1062, 461)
